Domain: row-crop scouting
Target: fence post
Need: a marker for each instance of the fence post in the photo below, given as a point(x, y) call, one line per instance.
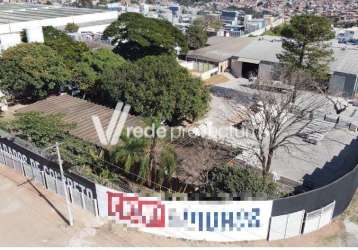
point(23, 168)
point(83, 200)
point(95, 207)
point(3, 157)
point(71, 194)
point(44, 179)
point(57, 192)
point(5, 162)
point(13, 161)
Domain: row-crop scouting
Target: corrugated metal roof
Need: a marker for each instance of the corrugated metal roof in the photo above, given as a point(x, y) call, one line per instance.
point(79, 111)
point(221, 48)
point(346, 61)
point(262, 49)
point(12, 13)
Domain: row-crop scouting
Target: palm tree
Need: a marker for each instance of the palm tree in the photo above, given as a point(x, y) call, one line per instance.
point(167, 164)
point(130, 153)
point(155, 123)
point(152, 159)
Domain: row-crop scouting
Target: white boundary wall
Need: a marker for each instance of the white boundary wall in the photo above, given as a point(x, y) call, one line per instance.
point(195, 220)
point(318, 218)
point(286, 226)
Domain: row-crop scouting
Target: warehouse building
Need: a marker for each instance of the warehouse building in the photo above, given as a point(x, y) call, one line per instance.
point(15, 18)
point(257, 56)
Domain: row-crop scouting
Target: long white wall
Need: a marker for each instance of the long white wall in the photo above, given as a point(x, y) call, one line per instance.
point(195, 220)
point(9, 40)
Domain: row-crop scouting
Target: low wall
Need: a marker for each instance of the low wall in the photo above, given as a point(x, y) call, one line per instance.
point(207, 74)
point(45, 173)
point(195, 220)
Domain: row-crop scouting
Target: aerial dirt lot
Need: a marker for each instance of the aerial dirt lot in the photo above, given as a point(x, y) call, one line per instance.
point(32, 216)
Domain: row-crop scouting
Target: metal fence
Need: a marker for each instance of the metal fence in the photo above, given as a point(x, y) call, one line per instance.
point(48, 182)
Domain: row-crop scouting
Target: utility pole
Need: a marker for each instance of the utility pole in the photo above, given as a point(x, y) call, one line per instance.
point(69, 212)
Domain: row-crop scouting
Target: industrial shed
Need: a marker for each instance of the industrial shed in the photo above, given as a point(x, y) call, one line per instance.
point(15, 18)
point(218, 53)
point(258, 55)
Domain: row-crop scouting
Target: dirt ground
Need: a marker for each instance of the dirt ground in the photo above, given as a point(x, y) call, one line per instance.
point(32, 216)
point(216, 79)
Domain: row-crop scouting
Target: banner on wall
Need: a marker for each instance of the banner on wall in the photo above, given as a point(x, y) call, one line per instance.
point(50, 168)
point(197, 220)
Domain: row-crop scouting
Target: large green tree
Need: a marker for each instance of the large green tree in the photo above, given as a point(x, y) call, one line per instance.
point(44, 130)
point(238, 181)
point(153, 160)
point(70, 50)
point(32, 71)
point(305, 46)
point(156, 86)
point(40, 129)
point(197, 35)
point(86, 66)
point(88, 72)
point(136, 36)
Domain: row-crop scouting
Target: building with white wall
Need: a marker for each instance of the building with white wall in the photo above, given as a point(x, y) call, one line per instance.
point(15, 18)
point(257, 56)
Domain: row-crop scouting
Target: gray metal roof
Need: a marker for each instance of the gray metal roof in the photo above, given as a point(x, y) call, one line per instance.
point(262, 49)
point(346, 61)
point(266, 48)
point(221, 48)
point(79, 111)
point(12, 13)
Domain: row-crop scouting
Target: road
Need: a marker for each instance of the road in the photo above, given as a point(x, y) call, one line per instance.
point(32, 216)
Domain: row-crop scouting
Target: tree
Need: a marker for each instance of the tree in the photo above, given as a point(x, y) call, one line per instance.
point(210, 22)
point(71, 27)
point(40, 129)
point(132, 155)
point(70, 50)
point(44, 130)
point(156, 86)
point(32, 71)
point(305, 46)
point(275, 31)
point(274, 122)
point(237, 181)
point(197, 35)
point(167, 164)
point(136, 36)
point(143, 157)
point(88, 72)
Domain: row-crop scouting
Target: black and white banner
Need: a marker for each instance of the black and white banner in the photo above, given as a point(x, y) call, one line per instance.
point(50, 168)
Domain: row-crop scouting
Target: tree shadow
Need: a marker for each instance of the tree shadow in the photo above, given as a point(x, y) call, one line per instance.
point(232, 94)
